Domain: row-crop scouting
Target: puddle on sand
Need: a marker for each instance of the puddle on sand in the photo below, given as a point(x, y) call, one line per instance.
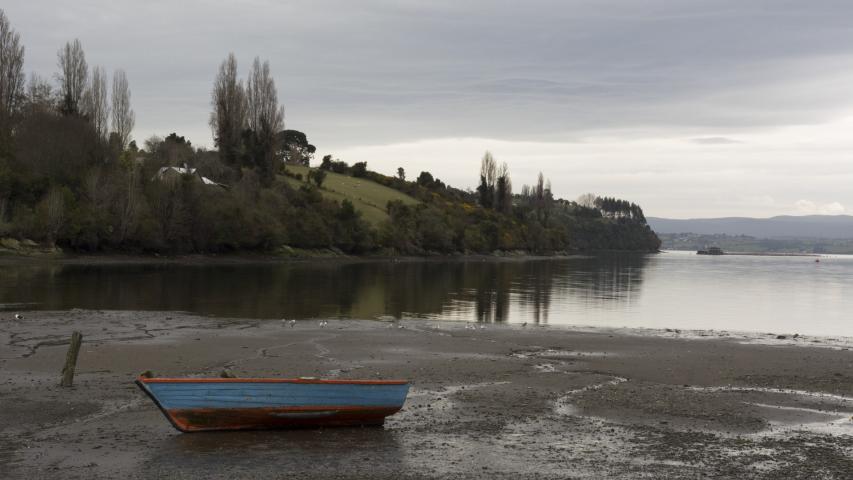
point(788, 391)
point(834, 423)
point(545, 368)
point(799, 419)
point(831, 422)
point(559, 354)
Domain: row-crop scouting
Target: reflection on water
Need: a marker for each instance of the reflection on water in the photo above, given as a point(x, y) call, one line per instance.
point(670, 290)
point(487, 291)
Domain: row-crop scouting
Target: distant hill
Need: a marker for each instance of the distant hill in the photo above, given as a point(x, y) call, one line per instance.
point(747, 244)
point(785, 226)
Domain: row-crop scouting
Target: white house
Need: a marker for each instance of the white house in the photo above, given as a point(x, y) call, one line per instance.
point(172, 173)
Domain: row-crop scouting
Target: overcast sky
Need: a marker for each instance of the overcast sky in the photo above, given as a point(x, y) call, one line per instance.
point(691, 108)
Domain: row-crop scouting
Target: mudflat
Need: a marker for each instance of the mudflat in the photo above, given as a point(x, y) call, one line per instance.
point(493, 402)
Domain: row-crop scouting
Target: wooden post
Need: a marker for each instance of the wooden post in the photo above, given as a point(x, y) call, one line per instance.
point(71, 359)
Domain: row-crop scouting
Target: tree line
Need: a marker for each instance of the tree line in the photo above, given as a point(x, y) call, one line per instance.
point(71, 175)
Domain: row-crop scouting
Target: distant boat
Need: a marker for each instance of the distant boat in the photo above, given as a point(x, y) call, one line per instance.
point(711, 251)
point(199, 404)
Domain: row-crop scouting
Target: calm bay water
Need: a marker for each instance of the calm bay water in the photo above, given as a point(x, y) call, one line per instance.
point(668, 290)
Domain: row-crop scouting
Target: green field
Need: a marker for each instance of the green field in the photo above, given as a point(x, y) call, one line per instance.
point(368, 197)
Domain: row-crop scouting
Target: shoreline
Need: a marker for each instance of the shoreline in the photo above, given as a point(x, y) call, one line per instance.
point(250, 258)
point(498, 402)
point(260, 258)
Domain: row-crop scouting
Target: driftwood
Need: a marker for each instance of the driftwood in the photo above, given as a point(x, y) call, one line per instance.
point(71, 359)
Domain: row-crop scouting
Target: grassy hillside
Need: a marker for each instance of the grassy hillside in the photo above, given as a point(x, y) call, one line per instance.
point(368, 197)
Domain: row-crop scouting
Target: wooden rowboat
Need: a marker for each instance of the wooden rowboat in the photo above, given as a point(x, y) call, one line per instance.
point(199, 404)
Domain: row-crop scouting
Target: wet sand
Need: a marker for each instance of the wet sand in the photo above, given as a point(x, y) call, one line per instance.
point(499, 402)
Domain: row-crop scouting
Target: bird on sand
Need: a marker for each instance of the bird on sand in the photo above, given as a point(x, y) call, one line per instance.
point(524, 324)
point(292, 323)
point(323, 323)
point(18, 316)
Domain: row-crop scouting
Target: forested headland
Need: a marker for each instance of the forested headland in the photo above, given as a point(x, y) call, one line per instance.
point(72, 176)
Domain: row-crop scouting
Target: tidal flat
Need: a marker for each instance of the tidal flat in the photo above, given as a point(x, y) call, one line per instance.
point(501, 401)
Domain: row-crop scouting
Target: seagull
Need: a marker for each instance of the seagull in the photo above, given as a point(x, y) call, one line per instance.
point(524, 324)
point(482, 327)
point(18, 316)
point(323, 323)
point(292, 323)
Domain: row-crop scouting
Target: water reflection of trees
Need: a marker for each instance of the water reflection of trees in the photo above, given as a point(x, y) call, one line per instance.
point(483, 291)
point(607, 279)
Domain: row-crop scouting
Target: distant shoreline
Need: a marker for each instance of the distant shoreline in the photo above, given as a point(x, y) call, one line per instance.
point(773, 254)
point(758, 254)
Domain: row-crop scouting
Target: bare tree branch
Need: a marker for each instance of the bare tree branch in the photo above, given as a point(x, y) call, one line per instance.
point(587, 200)
point(228, 117)
point(488, 175)
point(95, 102)
point(265, 117)
point(39, 94)
point(73, 76)
point(11, 73)
point(123, 116)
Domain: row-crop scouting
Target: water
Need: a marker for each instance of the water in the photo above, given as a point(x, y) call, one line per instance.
point(669, 290)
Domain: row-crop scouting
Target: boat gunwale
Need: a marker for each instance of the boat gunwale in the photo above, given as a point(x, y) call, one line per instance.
point(315, 381)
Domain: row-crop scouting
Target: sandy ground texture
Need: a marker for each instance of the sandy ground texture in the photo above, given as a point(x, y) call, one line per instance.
point(493, 402)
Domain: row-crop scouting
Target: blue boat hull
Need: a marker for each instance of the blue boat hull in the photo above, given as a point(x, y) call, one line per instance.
point(237, 404)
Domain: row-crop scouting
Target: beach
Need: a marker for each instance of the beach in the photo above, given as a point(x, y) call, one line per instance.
point(487, 400)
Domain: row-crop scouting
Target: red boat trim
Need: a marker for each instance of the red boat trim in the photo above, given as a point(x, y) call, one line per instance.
point(271, 380)
point(202, 419)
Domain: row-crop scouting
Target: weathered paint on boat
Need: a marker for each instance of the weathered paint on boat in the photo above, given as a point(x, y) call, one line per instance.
point(198, 404)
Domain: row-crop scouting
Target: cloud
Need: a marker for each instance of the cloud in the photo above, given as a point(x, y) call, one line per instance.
point(808, 207)
point(763, 176)
point(714, 141)
point(545, 70)
point(599, 95)
point(759, 200)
